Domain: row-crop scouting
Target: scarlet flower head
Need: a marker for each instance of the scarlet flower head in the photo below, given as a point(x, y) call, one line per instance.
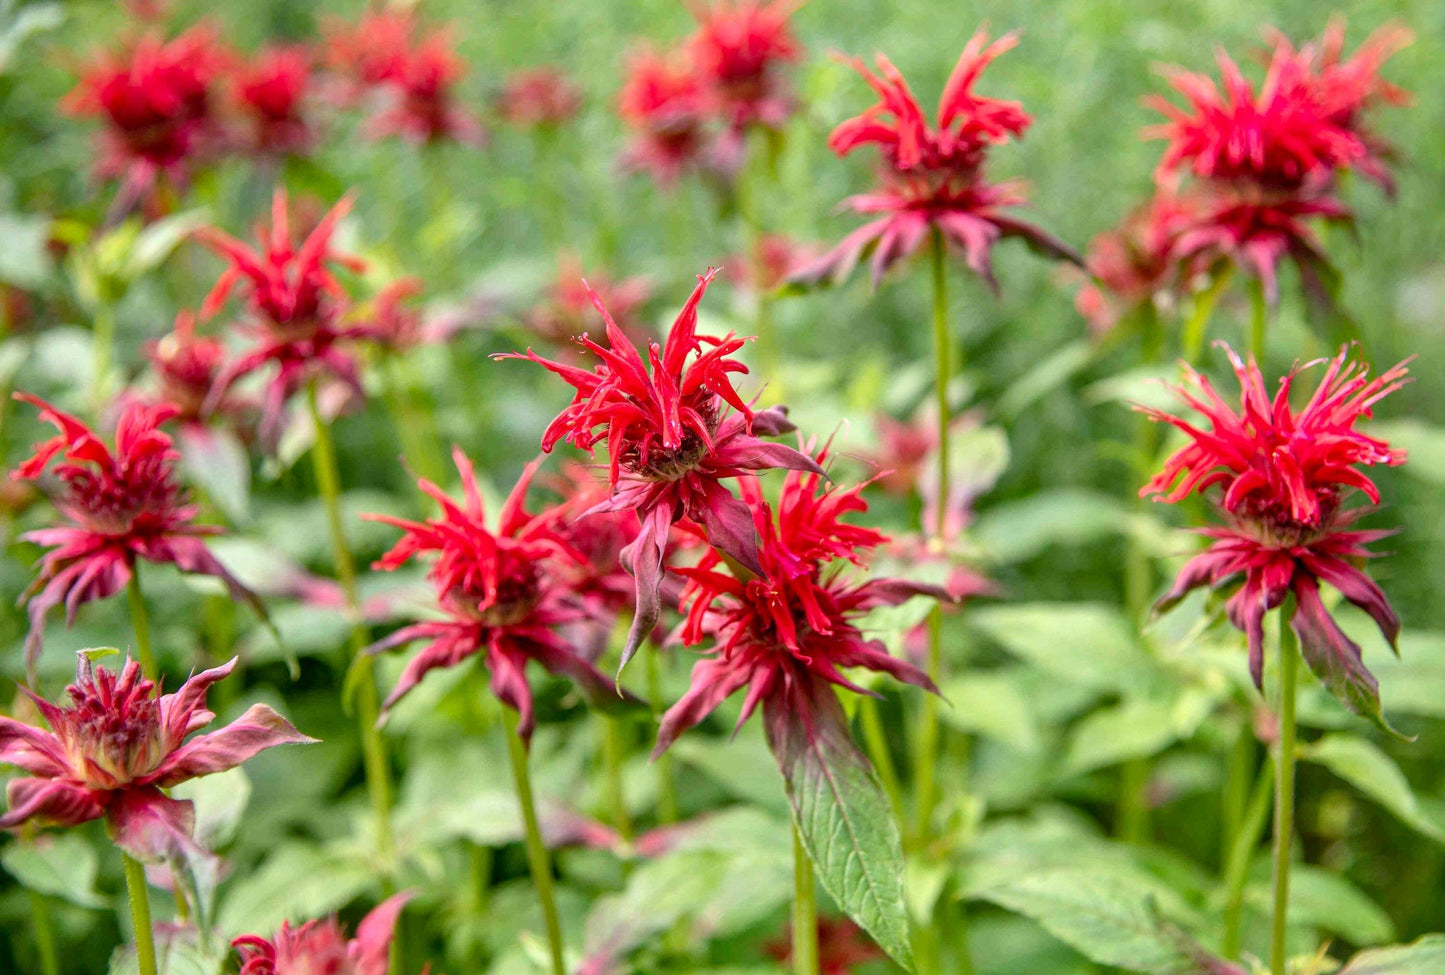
point(932, 173)
point(738, 48)
point(787, 631)
point(502, 592)
point(117, 744)
point(322, 948)
point(1140, 262)
point(271, 91)
point(671, 441)
point(663, 102)
point(1285, 476)
point(122, 503)
point(374, 51)
point(421, 108)
point(295, 306)
point(156, 98)
point(539, 97)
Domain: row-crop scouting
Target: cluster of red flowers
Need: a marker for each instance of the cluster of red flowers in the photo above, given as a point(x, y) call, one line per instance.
point(1285, 478)
point(322, 946)
point(1264, 163)
point(694, 105)
point(932, 174)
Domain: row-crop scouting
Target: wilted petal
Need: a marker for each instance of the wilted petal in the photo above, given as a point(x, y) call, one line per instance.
point(1334, 657)
point(255, 731)
point(150, 826)
point(54, 801)
point(30, 748)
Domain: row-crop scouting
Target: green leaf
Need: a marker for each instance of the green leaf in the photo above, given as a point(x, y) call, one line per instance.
point(1045, 377)
point(658, 894)
point(176, 955)
point(1362, 764)
point(297, 880)
point(1413, 682)
point(24, 257)
point(1090, 644)
point(1424, 443)
point(1016, 531)
point(1107, 919)
point(220, 802)
point(1324, 900)
point(155, 243)
point(1134, 728)
point(217, 461)
point(1423, 957)
point(991, 704)
point(842, 814)
point(63, 866)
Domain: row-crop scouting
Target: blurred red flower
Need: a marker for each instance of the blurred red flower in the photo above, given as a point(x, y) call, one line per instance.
point(1284, 476)
point(842, 947)
point(122, 504)
point(538, 98)
point(932, 176)
point(322, 948)
point(1138, 263)
point(738, 48)
point(568, 312)
point(271, 90)
point(663, 102)
point(117, 744)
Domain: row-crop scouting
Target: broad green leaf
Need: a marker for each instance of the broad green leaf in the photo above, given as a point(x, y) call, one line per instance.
point(1424, 442)
point(155, 243)
point(1087, 643)
point(1048, 375)
point(1361, 763)
point(24, 258)
point(742, 766)
point(220, 802)
point(1423, 957)
point(296, 880)
point(658, 894)
point(1135, 728)
point(1413, 682)
point(1324, 900)
point(1107, 920)
point(842, 814)
point(173, 957)
point(1016, 531)
point(991, 704)
point(63, 865)
point(218, 463)
point(1146, 386)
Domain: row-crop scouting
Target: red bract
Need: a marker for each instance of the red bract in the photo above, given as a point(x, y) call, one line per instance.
point(321, 947)
point(374, 51)
point(663, 102)
point(294, 304)
point(739, 47)
point(932, 174)
point(157, 102)
point(670, 441)
point(1140, 262)
point(502, 591)
point(271, 92)
point(122, 504)
point(117, 744)
point(1284, 477)
point(538, 98)
point(786, 631)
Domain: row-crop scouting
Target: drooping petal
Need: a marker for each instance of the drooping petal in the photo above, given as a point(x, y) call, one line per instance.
point(255, 731)
point(59, 802)
point(151, 826)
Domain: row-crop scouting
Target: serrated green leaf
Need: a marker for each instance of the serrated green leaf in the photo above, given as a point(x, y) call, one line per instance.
point(63, 866)
point(1361, 763)
point(1423, 957)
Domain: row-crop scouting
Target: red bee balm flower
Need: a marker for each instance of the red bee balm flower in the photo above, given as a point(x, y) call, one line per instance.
point(933, 174)
point(1137, 263)
point(663, 102)
point(1285, 476)
point(785, 631)
point(568, 310)
point(123, 504)
point(669, 444)
point(503, 593)
point(295, 305)
point(321, 947)
point(738, 47)
point(538, 98)
point(271, 91)
point(117, 745)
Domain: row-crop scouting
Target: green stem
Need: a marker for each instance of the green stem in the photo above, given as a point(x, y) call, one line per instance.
point(613, 752)
point(140, 622)
point(368, 704)
point(1198, 324)
point(102, 339)
point(666, 786)
point(44, 931)
point(1132, 824)
point(538, 860)
point(1258, 319)
point(415, 422)
point(805, 910)
point(1284, 788)
point(140, 914)
point(1241, 851)
point(1234, 799)
point(878, 750)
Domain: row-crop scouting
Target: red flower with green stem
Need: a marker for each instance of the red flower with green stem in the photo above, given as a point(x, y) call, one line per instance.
point(123, 504)
point(671, 442)
point(322, 948)
point(663, 102)
point(271, 92)
point(541, 97)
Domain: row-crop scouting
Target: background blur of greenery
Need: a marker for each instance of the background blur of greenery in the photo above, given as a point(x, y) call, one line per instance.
point(466, 220)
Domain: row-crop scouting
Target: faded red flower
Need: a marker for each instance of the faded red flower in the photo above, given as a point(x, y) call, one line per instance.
point(739, 48)
point(502, 592)
point(374, 50)
point(663, 102)
point(671, 441)
point(157, 100)
point(786, 631)
point(932, 175)
point(773, 258)
point(568, 311)
point(1284, 477)
point(842, 947)
point(122, 504)
point(1139, 262)
point(322, 948)
point(271, 91)
point(420, 106)
point(186, 367)
point(295, 308)
point(117, 744)
point(539, 97)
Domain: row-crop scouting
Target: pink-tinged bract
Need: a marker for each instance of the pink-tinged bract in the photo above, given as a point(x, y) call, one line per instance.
point(787, 631)
point(117, 744)
point(122, 503)
point(932, 173)
point(502, 593)
point(321, 947)
point(671, 441)
point(1284, 476)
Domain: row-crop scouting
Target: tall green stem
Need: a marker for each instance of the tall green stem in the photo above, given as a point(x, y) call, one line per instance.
point(1198, 324)
point(1258, 319)
point(613, 753)
point(102, 338)
point(666, 786)
point(44, 931)
point(805, 910)
point(140, 914)
point(140, 622)
point(1241, 851)
point(1284, 788)
point(878, 751)
point(538, 860)
point(368, 704)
